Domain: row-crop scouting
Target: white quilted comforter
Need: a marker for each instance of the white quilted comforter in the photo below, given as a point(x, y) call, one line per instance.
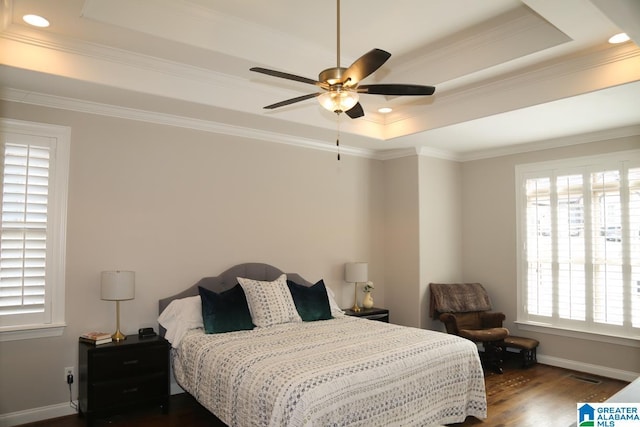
point(339, 372)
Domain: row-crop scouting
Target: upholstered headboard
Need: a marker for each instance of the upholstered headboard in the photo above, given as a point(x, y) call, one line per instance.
point(227, 280)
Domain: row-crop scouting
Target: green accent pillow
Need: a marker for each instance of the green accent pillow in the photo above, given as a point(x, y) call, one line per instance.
point(225, 311)
point(311, 302)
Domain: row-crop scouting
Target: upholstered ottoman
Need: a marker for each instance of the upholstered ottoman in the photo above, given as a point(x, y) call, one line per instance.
point(527, 347)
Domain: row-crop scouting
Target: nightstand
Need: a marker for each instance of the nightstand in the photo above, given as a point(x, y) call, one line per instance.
point(373, 313)
point(115, 377)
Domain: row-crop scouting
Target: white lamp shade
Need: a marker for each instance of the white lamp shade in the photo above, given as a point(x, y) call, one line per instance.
point(117, 285)
point(356, 272)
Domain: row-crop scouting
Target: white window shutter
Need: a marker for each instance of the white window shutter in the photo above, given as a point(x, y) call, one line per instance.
point(35, 167)
point(24, 229)
point(580, 234)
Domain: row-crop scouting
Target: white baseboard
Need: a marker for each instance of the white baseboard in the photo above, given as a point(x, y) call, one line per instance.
point(588, 368)
point(36, 414)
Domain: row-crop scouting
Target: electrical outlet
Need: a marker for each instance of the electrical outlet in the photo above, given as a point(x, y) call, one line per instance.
point(68, 371)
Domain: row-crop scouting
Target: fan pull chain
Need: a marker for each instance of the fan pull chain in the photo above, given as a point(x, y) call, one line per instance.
point(338, 135)
point(338, 66)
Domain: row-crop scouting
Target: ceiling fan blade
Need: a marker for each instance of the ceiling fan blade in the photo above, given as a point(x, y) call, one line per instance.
point(397, 89)
point(355, 111)
point(364, 66)
point(287, 76)
point(291, 101)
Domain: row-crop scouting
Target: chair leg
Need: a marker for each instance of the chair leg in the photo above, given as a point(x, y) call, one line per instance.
point(492, 357)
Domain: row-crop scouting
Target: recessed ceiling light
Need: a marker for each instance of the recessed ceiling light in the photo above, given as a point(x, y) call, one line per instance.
point(619, 38)
point(35, 20)
point(385, 110)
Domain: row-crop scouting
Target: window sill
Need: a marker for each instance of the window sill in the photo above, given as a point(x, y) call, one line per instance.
point(15, 333)
point(572, 333)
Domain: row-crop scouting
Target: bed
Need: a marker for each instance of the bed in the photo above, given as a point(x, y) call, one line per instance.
point(332, 370)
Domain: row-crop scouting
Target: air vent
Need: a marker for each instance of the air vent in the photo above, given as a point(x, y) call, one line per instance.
point(585, 379)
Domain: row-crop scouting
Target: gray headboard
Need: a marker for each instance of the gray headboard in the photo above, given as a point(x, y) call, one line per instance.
point(227, 280)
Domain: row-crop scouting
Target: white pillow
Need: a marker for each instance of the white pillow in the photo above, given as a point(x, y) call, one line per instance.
point(336, 311)
point(270, 303)
point(180, 316)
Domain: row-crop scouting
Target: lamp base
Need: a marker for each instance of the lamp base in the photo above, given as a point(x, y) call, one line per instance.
point(355, 307)
point(118, 336)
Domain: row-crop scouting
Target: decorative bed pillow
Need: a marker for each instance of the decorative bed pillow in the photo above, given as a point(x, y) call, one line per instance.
point(270, 303)
point(226, 311)
point(180, 316)
point(311, 302)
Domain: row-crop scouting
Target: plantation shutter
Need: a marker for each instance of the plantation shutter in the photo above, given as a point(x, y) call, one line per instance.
point(23, 245)
point(581, 264)
point(634, 250)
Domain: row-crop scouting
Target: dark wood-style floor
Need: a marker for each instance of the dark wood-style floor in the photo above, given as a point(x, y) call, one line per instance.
point(538, 396)
point(541, 395)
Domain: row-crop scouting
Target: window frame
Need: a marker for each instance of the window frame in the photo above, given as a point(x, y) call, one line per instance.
point(60, 144)
point(523, 172)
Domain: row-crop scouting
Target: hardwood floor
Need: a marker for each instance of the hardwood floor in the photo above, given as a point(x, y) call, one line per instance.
point(538, 396)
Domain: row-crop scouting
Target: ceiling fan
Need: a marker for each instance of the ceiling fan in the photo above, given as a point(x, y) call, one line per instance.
point(340, 86)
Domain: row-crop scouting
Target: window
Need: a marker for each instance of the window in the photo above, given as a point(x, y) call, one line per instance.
point(34, 160)
point(579, 234)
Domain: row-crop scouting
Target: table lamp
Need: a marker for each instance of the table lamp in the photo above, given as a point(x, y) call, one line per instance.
point(117, 286)
point(356, 272)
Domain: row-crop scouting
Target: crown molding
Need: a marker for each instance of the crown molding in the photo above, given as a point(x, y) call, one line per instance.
point(494, 35)
point(551, 80)
point(102, 53)
point(555, 69)
point(209, 29)
point(565, 141)
point(88, 107)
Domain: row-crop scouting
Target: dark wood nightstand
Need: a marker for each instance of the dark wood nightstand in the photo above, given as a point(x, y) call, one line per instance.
point(373, 313)
point(115, 377)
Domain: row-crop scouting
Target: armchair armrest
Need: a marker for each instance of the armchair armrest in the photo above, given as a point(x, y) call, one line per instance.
point(450, 323)
point(491, 319)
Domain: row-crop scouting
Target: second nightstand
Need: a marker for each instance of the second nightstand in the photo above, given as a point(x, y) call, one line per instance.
point(373, 313)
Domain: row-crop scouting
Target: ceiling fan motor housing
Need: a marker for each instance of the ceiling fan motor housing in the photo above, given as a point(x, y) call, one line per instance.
point(332, 75)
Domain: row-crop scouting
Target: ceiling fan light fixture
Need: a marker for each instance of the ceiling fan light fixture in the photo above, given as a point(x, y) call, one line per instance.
point(338, 100)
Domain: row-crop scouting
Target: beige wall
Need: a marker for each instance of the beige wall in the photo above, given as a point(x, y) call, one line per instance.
point(489, 248)
point(175, 205)
point(423, 236)
point(440, 231)
point(401, 240)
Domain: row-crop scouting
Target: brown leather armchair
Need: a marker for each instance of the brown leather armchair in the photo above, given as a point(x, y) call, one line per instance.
point(464, 310)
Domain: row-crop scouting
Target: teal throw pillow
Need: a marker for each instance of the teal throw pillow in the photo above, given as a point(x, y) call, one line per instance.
point(311, 302)
point(225, 311)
